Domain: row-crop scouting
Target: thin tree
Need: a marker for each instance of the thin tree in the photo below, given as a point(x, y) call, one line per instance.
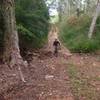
point(96, 14)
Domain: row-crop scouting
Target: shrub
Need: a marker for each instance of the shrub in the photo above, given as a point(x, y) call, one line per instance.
point(74, 34)
point(32, 22)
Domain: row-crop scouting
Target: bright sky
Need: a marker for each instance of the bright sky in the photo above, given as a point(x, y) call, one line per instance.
point(53, 12)
point(53, 8)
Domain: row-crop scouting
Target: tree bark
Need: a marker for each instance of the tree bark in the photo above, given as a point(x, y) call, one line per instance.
point(96, 14)
point(12, 55)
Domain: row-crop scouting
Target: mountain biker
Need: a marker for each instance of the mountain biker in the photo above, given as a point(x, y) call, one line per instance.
point(56, 45)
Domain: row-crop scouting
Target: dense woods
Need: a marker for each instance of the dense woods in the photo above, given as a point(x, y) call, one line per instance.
point(32, 23)
point(49, 49)
point(81, 22)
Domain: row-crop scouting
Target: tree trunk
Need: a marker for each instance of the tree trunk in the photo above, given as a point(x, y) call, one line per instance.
point(94, 21)
point(12, 53)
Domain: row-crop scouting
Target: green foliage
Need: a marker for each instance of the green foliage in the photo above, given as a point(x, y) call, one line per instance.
point(74, 34)
point(32, 21)
point(28, 40)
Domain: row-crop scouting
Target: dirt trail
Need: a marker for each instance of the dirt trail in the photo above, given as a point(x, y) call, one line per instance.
point(47, 77)
point(51, 37)
point(56, 77)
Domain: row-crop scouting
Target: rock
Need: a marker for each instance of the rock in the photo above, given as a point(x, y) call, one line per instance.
point(98, 89)
point(25, 63)
point(49, 77)
point(82, 58)
point(94, 64)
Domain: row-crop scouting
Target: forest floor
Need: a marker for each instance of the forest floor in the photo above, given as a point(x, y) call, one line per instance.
point(66, 77)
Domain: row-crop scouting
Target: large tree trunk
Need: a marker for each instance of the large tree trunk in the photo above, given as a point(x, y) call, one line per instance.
point(96, 14)
point(12, 53)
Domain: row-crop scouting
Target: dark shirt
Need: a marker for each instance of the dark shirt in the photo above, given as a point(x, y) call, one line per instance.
point(56, 43)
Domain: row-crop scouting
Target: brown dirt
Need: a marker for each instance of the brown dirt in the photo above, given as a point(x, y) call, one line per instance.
point(46, 76)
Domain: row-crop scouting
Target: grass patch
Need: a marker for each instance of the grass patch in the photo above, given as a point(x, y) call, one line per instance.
point(81, 87)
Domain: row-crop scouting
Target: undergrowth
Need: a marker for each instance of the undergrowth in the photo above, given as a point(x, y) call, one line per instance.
point(74, 34)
